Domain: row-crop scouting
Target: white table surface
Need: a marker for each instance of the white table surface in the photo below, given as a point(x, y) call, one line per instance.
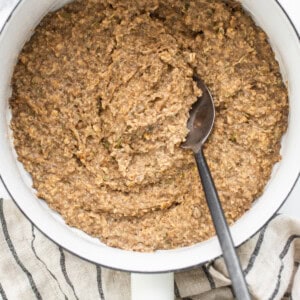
point(292, 7)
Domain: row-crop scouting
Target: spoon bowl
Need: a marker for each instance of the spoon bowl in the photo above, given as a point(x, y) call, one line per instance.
point(201, 119)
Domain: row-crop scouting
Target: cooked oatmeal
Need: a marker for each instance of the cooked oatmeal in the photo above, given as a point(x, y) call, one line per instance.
point(101, 95)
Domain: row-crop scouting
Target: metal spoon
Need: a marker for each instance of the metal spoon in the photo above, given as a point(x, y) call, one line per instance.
point(200, 124)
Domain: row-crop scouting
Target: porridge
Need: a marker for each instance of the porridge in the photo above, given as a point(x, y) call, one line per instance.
point(101, 96)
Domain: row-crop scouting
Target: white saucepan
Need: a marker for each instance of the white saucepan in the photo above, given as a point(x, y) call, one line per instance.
point(284, 39)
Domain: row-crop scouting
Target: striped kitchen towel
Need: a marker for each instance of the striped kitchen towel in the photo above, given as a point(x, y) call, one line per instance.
point(33, 267)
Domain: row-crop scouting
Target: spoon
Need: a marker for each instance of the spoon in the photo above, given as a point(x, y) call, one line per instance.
point(200, 124)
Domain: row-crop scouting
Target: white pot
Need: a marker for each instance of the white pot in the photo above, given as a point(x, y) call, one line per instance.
point(270, 16)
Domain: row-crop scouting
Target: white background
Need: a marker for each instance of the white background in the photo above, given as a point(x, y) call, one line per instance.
point(292, 7)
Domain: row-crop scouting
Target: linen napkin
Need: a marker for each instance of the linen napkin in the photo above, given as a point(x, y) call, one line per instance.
point(33, 267)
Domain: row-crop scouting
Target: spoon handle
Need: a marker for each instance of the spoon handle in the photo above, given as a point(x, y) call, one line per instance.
point(230, 256)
